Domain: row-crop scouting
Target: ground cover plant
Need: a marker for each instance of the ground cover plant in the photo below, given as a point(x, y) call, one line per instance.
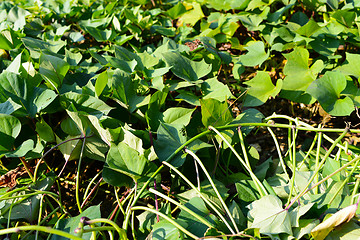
point(179, 119)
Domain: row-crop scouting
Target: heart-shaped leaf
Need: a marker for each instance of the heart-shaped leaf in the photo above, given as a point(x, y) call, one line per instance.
point(327, 90)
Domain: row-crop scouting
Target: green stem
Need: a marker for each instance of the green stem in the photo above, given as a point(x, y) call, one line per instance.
point(104, 220)
point(182, 207)
point(317, 159)
point(306, 189)
point(343, 183)
point(39, 228)
point(242, 144)
point(357, 183)
point(77, 178)
point(261, 189)
point(214, 187)
point(167, 218)
point(279, 152)
point(201, 195)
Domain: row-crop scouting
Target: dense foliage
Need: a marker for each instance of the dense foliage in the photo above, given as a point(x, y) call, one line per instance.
point(120, 99)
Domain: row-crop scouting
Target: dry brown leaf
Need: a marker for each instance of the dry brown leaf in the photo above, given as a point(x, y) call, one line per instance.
point(344, 215)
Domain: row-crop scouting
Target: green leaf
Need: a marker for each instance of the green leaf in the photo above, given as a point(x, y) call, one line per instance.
point(169, 138)
point(197, 205)
point(177, 116)
point(345, 17)
point(153, 113)
point(269, 216)
point(250, 115)
point(9, 107)
point(70, 224)
point(101, 35)
point(22, 150)
point(124, 89)
point(53, 69)
point(215, 113)
point(45, 131)
point(176, 11)
point(70, 147)
point(309, 28)
point(185, 68)
point(26, 207)
point(85, 103)
point(327, 90)
point(299, 76)
point(126, 160)
point(351, 65)
point(260, 89)
point(246, 190)
point(9, 129)
point(164, 230)
point(191, 16)
point(15, 65)
point(101, 82)
point(212, 88)
point(73, 58)
point(256, 54)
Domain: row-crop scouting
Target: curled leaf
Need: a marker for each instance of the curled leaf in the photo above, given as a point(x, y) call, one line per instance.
point(324, 228)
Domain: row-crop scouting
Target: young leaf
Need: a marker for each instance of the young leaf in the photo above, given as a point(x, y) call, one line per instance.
point(177, 116)
point(299, 76)
point(261, 88)
point(45, 131)
point(256, 54)
point(126, 160)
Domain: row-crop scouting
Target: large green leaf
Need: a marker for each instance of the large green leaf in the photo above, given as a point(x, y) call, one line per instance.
point(260, 89)
point(185, 68)
point(299, 76)
point(215, 113)
point(327, 90)
point(256, 54)
point(31, 99)
point(124, 89)
point(177, 116)
point(268, 216)
point(169, 138)
point(212, 88)
point(85, 103)
point(127, 161)
point(53, 69)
